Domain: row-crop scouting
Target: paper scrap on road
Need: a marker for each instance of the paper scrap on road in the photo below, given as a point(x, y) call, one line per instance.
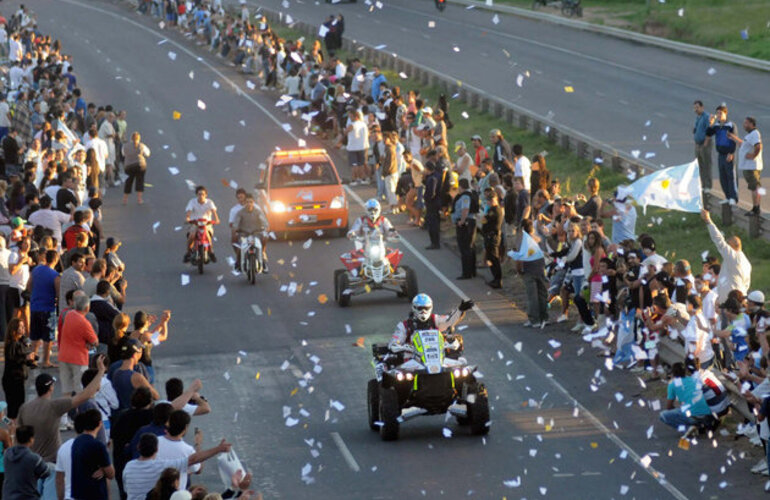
point(517, 346)
point(201, 105)
point(191, 74)
point(185, 279)
point(447, 432)
point(336, 405)
point(176, 115)
point(513, 483)
point(173, 170)
point(291, 422)
point(229, 148)
point(221, 291)
point(215, 84)
point(711, 71)
point(206, 135)
point(250, 85)
point(569, 89)
point(172, 55)
point(155, 227)
point(431, 24)
point(226, 375)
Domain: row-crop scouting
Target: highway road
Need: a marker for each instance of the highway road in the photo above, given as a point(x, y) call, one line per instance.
point(633, 97)
point(564, 425)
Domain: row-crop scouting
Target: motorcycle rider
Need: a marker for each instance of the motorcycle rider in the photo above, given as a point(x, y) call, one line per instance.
point(201, 207)
point(250, 220)
point(372, 221)
point(422, 318)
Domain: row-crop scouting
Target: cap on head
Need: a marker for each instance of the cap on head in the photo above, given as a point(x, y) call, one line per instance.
point(757, 297)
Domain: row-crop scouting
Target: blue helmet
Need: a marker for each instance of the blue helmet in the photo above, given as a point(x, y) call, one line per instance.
point(422, 306)
point(372, 209)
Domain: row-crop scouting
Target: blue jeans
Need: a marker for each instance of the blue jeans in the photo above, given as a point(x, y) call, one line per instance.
point(727, 177)
point(676, 418)
point(47, 486)
point(577, 284)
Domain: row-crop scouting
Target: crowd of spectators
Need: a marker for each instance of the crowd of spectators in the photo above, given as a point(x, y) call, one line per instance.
point(63, 302)
point(627, 296)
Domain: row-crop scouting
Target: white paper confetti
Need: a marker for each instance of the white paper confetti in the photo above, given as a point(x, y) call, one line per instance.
point(173, 170)
point(191, 157)
point(172, 55)
point(229, 148)
point(221, 291)
point(185, 279)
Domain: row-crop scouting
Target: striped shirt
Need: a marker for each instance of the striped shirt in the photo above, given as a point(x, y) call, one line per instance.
point(140, 476)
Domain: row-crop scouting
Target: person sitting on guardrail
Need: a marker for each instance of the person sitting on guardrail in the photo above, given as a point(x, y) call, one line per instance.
point(693, 409)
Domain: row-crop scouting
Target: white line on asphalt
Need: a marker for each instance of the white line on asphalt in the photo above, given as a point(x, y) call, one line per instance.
point(589, 473)
point(256, 309)
point(484, 318)
point(345, 452)
point(564, 474)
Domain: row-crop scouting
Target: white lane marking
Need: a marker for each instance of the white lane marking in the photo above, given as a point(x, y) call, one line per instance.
point(564, 474)
point(589, 473)
point(256, 309)
point(345, 452)
point(655, 474)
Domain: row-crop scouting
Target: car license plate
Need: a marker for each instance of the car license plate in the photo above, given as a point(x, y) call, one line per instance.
point(308, 218)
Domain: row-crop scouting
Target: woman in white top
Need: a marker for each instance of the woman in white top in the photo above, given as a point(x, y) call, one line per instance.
point(697, 333)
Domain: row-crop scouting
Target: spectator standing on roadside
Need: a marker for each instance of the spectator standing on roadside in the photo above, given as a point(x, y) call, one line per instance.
point(357, 146)
point(140, 475)
point(720, 127)
point(623, 214)
point(735, 273)
point(464, 166)
point(750, 160)
point(44, 287)
point(136, 154)
point(23, 467)
point(702, 144)
point(50, 218)
point(479, 151)
point(75, 339)
point(536, 285)
point(523, 207)
point(593, 205)
point(465, 225)
point(91, 465)
point(44, 413)
point(15, 366)
point(5, 284)
point(126, 380)
point(492, 231)
point(501, 154)
point(432, 182)
point(522, 166)
point(72, 278)
point(172, 445)
point(389, 170)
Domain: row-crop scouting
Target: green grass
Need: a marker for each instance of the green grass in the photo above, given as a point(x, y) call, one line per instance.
point(711, 23)
point(679, 235)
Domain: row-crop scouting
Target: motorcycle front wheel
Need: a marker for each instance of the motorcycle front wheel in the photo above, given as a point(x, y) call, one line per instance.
point(201, 257)
point(252, 270)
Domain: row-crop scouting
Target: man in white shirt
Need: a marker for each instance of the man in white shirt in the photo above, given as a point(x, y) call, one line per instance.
point(107, 134)
point(201, 207)
point(15, 76)
point(240, 195)
point(50, 219)
point(101, 152)
point(750, 160)
point(172, 446)
point(358, 144)
point(5, 116)
point(141, 474)
point(64, 467)
point(522, 166)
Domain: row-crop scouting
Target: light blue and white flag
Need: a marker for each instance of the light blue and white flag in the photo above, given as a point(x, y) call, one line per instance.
point(528, 251)
point(674, 188)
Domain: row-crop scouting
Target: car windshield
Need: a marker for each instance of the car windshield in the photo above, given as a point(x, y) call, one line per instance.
point(305, 174)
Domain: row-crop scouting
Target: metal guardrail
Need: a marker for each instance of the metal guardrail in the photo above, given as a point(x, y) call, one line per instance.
point(568, 138)
point(628, 35)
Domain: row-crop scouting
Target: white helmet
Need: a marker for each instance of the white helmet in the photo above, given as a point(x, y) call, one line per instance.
point(422, 307)
point(372, 209)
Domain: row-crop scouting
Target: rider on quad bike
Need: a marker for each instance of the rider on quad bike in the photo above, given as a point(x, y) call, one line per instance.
point(422, 318)
point(372, 221)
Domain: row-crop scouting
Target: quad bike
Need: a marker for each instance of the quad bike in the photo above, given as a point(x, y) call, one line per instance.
point(436, 380)
point(373, 268)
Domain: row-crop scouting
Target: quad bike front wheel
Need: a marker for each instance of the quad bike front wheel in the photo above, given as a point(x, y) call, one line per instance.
point(389, 413)
point(343, 286)
point(478, 413)
point(373, 403)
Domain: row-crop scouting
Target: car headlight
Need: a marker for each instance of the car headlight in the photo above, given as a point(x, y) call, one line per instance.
point(277, 206)
point(337, 202)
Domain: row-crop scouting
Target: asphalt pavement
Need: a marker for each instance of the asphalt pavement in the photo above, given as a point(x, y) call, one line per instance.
point(564, 426)
point(634, 97)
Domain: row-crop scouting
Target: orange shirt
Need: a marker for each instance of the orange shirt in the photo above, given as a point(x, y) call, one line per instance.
point(74, 338)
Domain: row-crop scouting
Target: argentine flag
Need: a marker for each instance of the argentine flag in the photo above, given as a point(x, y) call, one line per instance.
point(674, 188)
point(528, 251)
